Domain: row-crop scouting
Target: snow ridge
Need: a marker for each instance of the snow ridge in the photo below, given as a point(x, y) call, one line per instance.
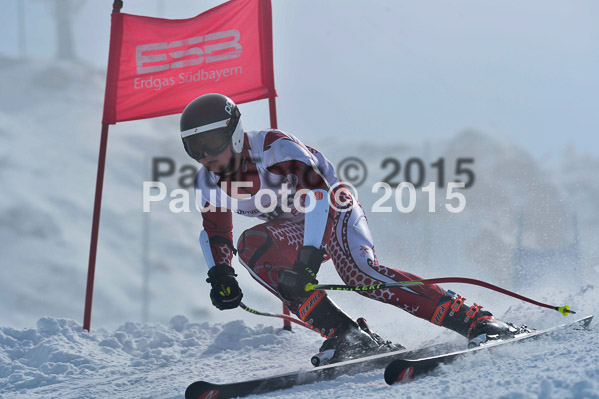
point(58, 357)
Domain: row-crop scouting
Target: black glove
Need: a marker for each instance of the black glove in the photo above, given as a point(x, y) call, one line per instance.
point(292, 282)
point(225, 292)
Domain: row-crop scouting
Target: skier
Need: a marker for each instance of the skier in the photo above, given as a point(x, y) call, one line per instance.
point(236, 166)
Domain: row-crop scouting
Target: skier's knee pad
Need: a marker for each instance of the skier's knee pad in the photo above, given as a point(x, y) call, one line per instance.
point(252, 245)
point(264, 255)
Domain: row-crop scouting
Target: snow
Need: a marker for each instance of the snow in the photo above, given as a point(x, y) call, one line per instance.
point(49, 135)
point(58, 359)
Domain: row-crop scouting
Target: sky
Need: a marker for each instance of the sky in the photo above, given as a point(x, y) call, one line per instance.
point(398, 71)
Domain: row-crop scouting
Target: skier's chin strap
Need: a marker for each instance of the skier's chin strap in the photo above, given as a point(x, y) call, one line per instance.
point(229, 169)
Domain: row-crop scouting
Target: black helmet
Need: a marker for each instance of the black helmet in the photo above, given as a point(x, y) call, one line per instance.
point(209, 124)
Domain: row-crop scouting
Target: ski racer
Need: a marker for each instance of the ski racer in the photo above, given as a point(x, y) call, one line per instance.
point(239, 168)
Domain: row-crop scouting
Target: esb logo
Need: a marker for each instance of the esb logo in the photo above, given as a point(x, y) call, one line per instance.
point(208, 48)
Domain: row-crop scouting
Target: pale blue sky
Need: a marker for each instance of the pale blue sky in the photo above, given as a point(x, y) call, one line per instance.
point(400, 70)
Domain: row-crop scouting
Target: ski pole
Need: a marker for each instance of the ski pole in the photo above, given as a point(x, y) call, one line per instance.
point(565, 310)
point(281, 316)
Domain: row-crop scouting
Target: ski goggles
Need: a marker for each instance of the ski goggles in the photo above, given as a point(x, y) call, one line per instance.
point(211, 143)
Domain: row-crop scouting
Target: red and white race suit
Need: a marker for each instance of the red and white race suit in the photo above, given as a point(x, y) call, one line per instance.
point(269, 159)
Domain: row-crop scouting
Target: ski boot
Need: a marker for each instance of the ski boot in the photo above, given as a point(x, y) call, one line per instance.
point(488, 329)
point(477, 325)
point(345, 338)
point(351, 340)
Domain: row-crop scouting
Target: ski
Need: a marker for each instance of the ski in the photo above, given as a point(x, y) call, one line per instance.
point(405, 370)
point(207, 390)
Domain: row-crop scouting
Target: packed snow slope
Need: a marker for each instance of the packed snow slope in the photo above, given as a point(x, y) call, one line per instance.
point(57, 360)
point(49, 135)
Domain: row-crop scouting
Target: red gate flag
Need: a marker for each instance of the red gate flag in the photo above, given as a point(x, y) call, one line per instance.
point(157, 66)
